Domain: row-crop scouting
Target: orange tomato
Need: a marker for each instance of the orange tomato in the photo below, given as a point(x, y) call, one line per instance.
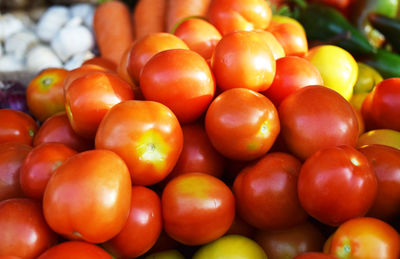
point(292, 37)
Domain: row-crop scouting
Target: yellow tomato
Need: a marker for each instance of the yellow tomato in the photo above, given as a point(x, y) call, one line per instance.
point(285, 19)
point(368, 77)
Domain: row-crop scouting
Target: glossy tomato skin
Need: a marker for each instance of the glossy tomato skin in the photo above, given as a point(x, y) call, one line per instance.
point(292, 73)
point(147, 135)
point(260, 202)
point(273, 44)
point(75, 249)
point(292, 38)
point(142, 228)
point(180, 79)
point(242, 59)
point(16, 126)
point(336, 184)
point(90, 97)
point(12, 156)
point(197, 208)
point(314, 255)
point(316, 117)
point(242, 124)
point(366, 238)
point(24, 230)
point(76, 201)
point(39, 165)
point(102, 62)
point(385, 161)
point(58, 129)
point(80, 72)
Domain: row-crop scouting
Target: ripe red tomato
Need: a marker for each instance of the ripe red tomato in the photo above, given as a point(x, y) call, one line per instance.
point(243, 60)
point(12, 155)
point(365, 238)
point(88, 197)
point(260, 203)
point(16, 126)
point(90, 97)
point(314, 255)
point(24, 232)
point(76, 250)
point(39, 165)
point(102, 62)
point(180, 79)
point(291, 36)
point(315, 117)
point(241, 227)
point(273, 44)
point(80, 72)
point(146, 135)
point(142, 228)
point(242, 124)
point(385, 161)
point(197, 208)
point(336, 184)
point(45, 93)
point(9, 257)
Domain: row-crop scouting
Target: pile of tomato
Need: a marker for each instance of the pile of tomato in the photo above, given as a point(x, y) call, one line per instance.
point(229, 138)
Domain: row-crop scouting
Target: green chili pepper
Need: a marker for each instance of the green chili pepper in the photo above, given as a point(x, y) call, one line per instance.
point(385, 62)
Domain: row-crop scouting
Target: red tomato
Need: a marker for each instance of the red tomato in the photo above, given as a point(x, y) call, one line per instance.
point(9, 257)
point(336, 184)
point(292, 38)
point(24, 232)
point(39, 165)
point(180, 79)
point(12, 155)
point(16, 126)
point(240, 227)
point(147, 135)
point(45, 93)
point(290, 242)
point(239, 15)
point(365, 238)
point(58, 129)
point(80, 72)
point(316, 117)
point(314, 255)
point(273, 44)
point(102, 62)
point(260, 202)
point(243, 60)
point(76, 250)
point(200, 36)
point(90, 97)
point(292, 73)
point(385, 161)
point(88, 196)
point(242, 124)
point(197, 208)
point(142, 228)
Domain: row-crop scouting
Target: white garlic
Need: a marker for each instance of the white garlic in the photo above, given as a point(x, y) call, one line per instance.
point(23, 16)
point(41, 57)
point(9, 63)
point(51, 22)
point(19, 43)
point(9, 25)
point(81, 10)
point(77, 60)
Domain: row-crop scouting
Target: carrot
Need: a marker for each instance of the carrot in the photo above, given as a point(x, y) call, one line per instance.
point(149, 17)
point(113, 29)
point(179, 9)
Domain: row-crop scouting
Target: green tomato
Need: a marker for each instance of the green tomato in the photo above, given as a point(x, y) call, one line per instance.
point(385, 137)
point(231, 247)
point(168, 254)
point(368, 77)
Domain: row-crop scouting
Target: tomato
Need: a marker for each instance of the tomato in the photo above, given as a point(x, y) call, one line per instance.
point(273, 44)
point(292, 73)
point(197, 208)
point(147, 47)
point(316, 117)
point(58, 129)
point(122, 71)
point(382, 106)
point(336, 184)
point(200, 36)
point(290, 242)
point(242, 124)
point(367, 78)
point(80, 72)
point(365, 238)
point(292, 38)
point(164, 242)
point(147, 136)
point(314, 255)
point(88, 99)
point(243, 60)
point(231, 246)
point(385, 137)
point(9, 257)
point(88, 197)
point(278, 19)
point(240, 227)
point(39, 165)
point(76, 250)
point(167, 254)
point(385, 161)
point(102, 62)
point(338, 68)
point(180, 79)
point(12, 155)
point(239, 15)
point(24, 232)
point(259, 202)
point(16, 126)
point(142, 228)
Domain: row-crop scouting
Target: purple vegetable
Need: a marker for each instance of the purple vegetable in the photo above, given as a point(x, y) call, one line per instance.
point(12, 96)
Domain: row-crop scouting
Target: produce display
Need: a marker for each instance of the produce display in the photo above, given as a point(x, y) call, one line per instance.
point(212, 129)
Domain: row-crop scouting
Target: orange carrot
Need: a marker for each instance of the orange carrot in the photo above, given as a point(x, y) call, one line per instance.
point(149, 17)
point(179, 9)
point(113, 29)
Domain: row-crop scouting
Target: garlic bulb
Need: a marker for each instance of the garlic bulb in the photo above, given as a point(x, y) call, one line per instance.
point(9, 63)
point(19, 43)
point(23, 16)
point(77, 60)
point(9, 25)
point(41, 57)
point(51, 22)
